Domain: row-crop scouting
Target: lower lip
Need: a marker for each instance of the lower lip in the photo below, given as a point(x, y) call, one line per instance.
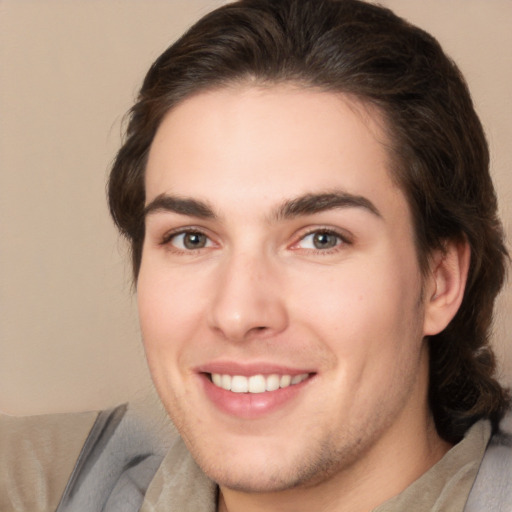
point(250, 405)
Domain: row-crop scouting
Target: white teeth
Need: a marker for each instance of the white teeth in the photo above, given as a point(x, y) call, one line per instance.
point(285, 381)
point(296, 379)
point(239, 384)
point(272, 382)
point(256, 383)
point(225, 382)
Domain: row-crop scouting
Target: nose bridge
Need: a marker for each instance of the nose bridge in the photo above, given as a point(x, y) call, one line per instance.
point(247, 300)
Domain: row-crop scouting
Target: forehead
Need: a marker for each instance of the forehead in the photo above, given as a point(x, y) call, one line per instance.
point(234, 144)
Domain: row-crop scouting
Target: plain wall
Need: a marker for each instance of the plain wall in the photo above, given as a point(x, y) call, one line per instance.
point(69, 70)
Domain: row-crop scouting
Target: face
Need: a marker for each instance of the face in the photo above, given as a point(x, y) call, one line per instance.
point(279, 291)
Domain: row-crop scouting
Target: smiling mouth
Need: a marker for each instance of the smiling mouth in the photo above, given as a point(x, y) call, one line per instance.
point(256, 383)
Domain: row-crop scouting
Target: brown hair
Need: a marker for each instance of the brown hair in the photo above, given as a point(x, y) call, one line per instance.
point(438, 150)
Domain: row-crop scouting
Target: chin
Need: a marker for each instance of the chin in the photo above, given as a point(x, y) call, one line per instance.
point(253, 480)
point(261, 471)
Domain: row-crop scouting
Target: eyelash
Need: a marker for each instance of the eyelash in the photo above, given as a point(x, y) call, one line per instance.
point(343, 239)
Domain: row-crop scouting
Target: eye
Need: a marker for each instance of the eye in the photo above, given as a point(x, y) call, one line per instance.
point(320, 240)
point(188, 240)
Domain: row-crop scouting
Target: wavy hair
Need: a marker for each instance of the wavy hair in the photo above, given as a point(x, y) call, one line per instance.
point(437, 147)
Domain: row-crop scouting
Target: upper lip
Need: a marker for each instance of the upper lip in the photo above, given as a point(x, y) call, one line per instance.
point(248, 369)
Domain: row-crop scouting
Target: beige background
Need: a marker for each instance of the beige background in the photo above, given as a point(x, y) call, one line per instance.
point(68, 71)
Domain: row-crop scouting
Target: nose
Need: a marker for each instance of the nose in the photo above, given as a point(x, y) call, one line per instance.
point(248, 300)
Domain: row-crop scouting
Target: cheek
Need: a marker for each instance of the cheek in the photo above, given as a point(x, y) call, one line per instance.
point(167, 322)
point(362, 311)
point(167, 319)
point(167, 301)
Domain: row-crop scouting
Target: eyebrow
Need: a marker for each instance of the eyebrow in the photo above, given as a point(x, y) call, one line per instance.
point(310, 204)
point(307, 204)
point(181, 205)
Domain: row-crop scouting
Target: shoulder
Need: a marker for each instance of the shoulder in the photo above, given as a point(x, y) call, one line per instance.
point(492, 490)
point(83, 461)
point(37, 456)
point(116, 464)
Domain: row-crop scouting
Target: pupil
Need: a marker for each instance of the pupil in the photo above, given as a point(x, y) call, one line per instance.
point(324, 240)
point(194, 240)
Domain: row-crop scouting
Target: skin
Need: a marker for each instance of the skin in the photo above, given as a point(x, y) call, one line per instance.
point(258, 289)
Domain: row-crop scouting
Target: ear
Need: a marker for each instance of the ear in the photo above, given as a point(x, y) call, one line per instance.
point(445, 285)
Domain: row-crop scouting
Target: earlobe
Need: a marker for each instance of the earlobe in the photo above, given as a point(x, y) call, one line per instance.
point(445, 285)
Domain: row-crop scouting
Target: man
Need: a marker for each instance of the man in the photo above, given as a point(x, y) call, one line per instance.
point(316, 252)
